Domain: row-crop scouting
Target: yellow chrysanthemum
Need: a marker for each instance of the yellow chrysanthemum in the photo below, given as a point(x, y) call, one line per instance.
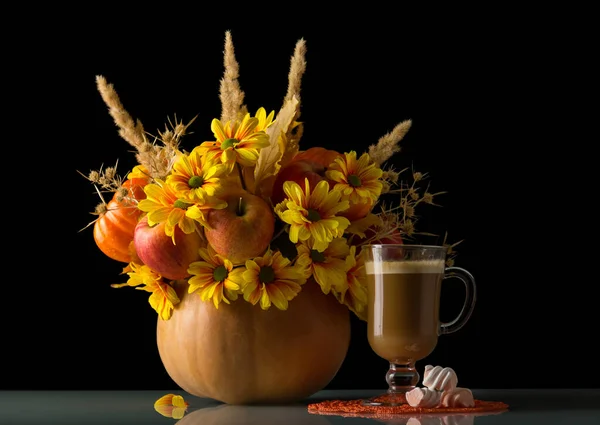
point(328, 267)
point(163, 298)
point(354, 291)
point(272, 279)
point(195, 175)
point(215, 278)
point(359, 180)
point(164, 204)
point(312, 215)
point(359, 227)
point(236, 142)
point(264, 120)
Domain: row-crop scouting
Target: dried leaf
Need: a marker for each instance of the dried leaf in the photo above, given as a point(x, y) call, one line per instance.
point(268, 160)
point(292, 145)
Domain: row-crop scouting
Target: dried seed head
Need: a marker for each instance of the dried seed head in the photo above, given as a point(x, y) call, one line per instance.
point(100, 209)
point(110, 173)
point(409, 211)
point(94, 176)
point(408, 227)
point(417, 176)
point(428, 198)
point(390, 176)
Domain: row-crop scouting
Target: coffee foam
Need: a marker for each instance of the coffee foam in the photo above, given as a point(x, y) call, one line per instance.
point(401, 267)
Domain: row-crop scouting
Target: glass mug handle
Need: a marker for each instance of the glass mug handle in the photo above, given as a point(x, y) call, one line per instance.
point(470, 297)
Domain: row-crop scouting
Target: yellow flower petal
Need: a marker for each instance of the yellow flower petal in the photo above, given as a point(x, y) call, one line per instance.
point(171, 406)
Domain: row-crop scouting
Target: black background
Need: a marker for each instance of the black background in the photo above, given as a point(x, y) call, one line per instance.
point(485, 97)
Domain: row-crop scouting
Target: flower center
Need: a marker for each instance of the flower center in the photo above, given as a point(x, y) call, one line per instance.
point(354, 180)
point(229, 143)
point(181, 204)
point(313, 215)
point(220, 273)
point(195, 182)
point(266, 274)
point(316, 256)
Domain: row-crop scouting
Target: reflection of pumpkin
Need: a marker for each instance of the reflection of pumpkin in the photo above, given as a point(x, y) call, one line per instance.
point(113, 230)
point(241, 354)
point(319, 155)
point(224, 414)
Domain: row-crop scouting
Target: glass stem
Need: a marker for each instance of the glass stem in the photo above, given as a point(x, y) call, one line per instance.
point(402, 377)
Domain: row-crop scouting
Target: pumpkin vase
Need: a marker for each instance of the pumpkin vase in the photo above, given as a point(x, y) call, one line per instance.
point(241, 354)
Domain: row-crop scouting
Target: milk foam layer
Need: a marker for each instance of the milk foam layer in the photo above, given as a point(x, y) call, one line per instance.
point(402, 267)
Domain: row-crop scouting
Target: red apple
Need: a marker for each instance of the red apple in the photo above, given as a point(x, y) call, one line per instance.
point(296, 171)
point(157, 250)
point(244, 229)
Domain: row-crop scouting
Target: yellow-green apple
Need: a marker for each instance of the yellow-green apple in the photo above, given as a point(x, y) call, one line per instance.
point(244, 229)
point(157, 250)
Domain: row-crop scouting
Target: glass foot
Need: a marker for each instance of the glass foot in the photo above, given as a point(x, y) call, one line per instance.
point(401, 378)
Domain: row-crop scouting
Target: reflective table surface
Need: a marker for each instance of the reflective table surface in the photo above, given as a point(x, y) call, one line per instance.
point(548, 407)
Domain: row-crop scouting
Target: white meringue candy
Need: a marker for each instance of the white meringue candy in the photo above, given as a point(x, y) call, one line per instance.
point(457, 397)
point(440, 378)
point(423, 397)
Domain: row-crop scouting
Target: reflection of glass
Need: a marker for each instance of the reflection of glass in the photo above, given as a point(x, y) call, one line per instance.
point(246, 415)
point(404, 288)
point(434, 420)
point(419, 419)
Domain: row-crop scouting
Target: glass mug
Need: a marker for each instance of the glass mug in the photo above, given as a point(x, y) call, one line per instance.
point(404, 285)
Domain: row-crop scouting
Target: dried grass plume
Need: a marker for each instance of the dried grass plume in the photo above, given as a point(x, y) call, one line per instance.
point(387, 145)
point(297, 69)
point(231, 95)
point(130, 130)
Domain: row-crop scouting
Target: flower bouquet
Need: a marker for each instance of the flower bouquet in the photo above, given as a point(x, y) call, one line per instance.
point(249, 245)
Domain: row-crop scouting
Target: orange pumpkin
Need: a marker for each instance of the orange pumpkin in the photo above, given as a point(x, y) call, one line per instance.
point(241, 354)
point(113, 230)
point(318, 154)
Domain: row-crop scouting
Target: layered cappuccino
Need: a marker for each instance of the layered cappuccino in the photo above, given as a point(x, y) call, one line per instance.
point(404, 303)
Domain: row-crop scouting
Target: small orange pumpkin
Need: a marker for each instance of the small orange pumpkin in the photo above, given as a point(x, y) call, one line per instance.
point(113, 230)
